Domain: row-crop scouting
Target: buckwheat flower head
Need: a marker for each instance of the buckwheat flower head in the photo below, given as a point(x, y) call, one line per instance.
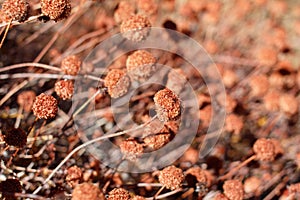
point(74, 176)
point(87, 191)
point(119, 194)
point(167, 105)
point(171, 177)
point(71, 65)
point(64, 89)
point(157, 141)
point(135, 28)
point(56, 10)
point(140, 65)
point(15, 9)
point(131, 149)
point(148, 7)
point(117, 83)
point(264, 149)
point(233, 189)
point(45, 106)
point(198, 173)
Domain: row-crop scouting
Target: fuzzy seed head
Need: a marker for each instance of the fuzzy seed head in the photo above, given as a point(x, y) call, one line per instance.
point(117, 83)
point(124, 11)
point(233, 189)
point(45, 106)
point(119, 194)
point(74, 176)
point(57, 9)
point(9, 187)
point(15, 9)
point(71, 65)
point(15, 137)
point(264, 149)
point(131, 149)
point(87, 191)
point(171, 177)
point(167, 105)
point(140, 65)
point(136, 28)
point(64, 89)
point(25, 99)
point(157, 141)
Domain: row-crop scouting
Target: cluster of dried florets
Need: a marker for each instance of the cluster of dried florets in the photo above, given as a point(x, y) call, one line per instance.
point(45, 106)
point(17, 10)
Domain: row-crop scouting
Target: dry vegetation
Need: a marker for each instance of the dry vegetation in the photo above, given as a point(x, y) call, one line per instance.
point(255, 46)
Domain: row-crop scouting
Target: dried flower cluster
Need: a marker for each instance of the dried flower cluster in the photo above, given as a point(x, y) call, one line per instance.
point(74, 176)
point(45, 106)
point(168, 106)
point(171, 177)
point(15, 9)
point(56, 10)
point(131, 149)
point(87, 191)
point(264, 149)
point(70, 65)
point(64, 89)
point(136, 28)
point(140, 64)
point(157, 141)
point(119, 194)
point(117, 83)
point(233, 190)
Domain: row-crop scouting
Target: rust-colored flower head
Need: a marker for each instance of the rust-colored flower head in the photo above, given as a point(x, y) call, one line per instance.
point(119, 194)
point(233, 189)
point(45, 106)
point(15, 9)
point(25, 99)
point(157, 141)
point(15, 137)
point(171, 177)
point(74, 176)
point(140, 65)
point(9, 187)
point(264, 149)
point(71, 65)
point(124, 11)
point(198, 173)
point(131, 149)
point(117, 83)
point(135, 28)
point(64, 89)
point(168, 106)
point(87, 191)
point(56, 10)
